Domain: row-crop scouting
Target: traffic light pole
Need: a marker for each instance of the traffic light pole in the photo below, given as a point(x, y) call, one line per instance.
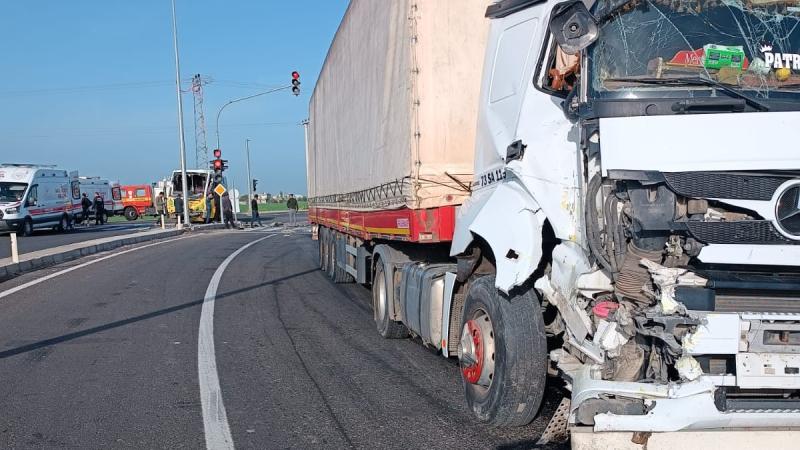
point(249, 178)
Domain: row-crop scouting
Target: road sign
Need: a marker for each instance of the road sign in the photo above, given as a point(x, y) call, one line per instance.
point(220, 190)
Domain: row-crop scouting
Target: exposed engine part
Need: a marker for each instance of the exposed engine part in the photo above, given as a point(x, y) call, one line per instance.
point(634, 279)
point(628, 365)
point(697, 206)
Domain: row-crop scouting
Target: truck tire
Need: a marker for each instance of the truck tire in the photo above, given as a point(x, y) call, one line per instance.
point(26, 229)
point(331, 253)
point(131, 213)
point(382, 297)
point(502, 354)
point(323, 255)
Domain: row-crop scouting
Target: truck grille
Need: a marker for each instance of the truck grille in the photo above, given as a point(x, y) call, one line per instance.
point(740, 232)
point(724, 185)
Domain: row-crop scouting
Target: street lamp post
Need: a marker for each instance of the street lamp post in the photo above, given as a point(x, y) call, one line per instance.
point(249, 177)
point(243, 99)
point(184, 181)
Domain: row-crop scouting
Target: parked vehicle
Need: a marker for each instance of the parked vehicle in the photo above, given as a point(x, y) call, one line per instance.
point(36, 196)
point(109, 191)
point(137, 200)
point(631, 225)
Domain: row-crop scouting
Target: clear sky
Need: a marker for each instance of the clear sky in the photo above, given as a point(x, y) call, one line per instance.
point(89, 84)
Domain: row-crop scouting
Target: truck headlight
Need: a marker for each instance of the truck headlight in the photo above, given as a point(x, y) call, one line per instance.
point(13, 210)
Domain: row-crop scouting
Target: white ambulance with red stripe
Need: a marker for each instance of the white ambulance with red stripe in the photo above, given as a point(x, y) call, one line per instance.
point(37, 196)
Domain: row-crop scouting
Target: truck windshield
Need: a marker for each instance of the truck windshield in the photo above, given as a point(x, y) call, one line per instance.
point(196, 186)
point(752, 46)
point(12, 192)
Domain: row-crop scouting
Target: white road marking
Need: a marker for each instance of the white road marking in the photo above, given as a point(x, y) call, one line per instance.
point(215, 419)
point(16, 289)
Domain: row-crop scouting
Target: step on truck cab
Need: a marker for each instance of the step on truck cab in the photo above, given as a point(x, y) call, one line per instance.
point(36, 196)
point(632, 225)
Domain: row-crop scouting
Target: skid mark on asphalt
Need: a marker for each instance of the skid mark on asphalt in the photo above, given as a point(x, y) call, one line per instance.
point(322, 396)
point(215, 419)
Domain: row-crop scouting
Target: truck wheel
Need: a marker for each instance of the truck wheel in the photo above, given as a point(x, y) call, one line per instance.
point(331, 249)
point(27, 227)
point(131, 213)
point(382, 297)
point(323, 255)
point(502, 354)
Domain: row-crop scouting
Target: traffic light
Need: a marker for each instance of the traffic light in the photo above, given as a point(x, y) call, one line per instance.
point(218, 165)
point(255, 183)
point(296, 83)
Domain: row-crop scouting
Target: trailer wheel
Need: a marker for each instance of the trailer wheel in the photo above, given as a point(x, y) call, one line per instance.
point(27, 227)
point(323, 255)
point(330, 248)
point(131, 213)
point(502, 354)
point(382, 297)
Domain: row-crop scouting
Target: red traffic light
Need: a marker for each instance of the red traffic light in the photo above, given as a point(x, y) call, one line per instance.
point(217, 153)
point(218, 164)
point(295, 75)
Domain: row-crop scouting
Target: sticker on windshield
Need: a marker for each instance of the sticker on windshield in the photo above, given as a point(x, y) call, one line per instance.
point(778, 60)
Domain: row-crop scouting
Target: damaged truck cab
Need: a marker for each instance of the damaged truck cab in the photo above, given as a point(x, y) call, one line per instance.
point(637, 182)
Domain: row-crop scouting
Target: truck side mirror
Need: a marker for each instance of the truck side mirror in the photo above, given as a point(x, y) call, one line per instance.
point(573, 26)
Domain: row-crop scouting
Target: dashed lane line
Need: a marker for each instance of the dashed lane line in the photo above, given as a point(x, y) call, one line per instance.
point(215, 419)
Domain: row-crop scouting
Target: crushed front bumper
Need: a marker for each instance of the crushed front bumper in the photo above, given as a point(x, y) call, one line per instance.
point(584, 438)
point(767, 358)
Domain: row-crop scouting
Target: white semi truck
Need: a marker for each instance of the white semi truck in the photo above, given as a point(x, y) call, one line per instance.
point(631, 224)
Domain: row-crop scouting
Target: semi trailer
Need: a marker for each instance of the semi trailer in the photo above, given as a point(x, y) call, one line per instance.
point(612, 200)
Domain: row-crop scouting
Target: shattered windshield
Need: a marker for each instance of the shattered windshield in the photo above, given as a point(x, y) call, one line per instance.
point(751, 46)
point(197, 183)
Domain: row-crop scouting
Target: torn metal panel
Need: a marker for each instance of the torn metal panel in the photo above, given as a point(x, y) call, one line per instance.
point(667, 279)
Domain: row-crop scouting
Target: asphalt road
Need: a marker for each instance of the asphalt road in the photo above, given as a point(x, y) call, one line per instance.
point(106, 356)
point(43, 239)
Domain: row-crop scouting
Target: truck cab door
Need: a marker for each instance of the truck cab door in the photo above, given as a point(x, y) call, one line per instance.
point(511, 55)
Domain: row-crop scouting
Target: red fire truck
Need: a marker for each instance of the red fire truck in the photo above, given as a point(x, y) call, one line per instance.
point(137, 200)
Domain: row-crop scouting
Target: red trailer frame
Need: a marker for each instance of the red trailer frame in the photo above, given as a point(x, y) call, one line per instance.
point(431, 225)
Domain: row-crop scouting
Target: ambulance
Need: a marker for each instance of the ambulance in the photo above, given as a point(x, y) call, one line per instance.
point(36, 197)
point(109, 191)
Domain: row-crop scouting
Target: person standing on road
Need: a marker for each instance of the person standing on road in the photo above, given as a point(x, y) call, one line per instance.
point(292, 205)
point(99, 209)
point(255, 216)
point(209, 199)
point(161, 206)
point(86, 205)
point(227, 211)
point(178, 207)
